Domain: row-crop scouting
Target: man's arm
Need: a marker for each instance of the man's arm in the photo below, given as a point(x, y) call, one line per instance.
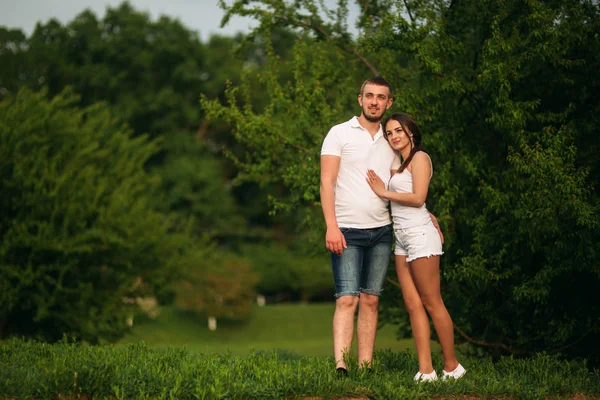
point(437, 226)
point(334, 239)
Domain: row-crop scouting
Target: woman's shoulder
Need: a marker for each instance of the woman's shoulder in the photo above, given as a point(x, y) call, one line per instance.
point(421, 156)
point(421, 160)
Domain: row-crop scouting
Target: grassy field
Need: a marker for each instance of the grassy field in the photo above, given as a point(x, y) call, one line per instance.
point(303, 329)
point(65, 370)
point(277, 354)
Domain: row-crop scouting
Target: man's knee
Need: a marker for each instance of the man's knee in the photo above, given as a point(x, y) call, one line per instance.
point(346, 302)
point(369, 301)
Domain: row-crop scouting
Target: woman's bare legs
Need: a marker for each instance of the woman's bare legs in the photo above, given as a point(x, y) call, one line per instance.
point(418, 317)
point(425, 273)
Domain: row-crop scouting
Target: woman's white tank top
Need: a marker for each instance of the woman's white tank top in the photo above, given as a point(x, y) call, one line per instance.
point(406, 216)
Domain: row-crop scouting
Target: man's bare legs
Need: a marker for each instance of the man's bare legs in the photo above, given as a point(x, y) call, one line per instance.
point(421, 290)
point(367, 328)
point(343, 328)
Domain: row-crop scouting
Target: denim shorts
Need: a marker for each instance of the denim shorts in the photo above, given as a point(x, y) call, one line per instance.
point(418, 241)
point(363, 265)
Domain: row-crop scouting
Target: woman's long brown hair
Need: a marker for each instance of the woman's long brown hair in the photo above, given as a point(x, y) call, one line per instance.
point(409, 125)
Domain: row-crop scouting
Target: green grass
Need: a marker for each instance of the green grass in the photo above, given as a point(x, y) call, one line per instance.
point(33, 370)
point(303, 329)
point(282, 352)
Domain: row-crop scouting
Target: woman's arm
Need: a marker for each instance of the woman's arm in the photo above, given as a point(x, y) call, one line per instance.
point(421, 172)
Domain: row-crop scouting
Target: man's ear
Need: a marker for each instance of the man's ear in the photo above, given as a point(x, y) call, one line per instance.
point(390, 102)
point(360, 100)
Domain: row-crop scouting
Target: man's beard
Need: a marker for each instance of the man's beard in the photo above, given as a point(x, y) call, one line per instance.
point(373, 119)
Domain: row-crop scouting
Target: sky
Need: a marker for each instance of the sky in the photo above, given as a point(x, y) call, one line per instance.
point(203, 16)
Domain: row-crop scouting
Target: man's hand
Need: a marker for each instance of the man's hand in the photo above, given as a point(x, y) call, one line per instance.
point(437, 226)
point(335, 241)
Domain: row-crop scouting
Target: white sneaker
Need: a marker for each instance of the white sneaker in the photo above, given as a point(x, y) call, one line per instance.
point(421, 377)
point(457, 373)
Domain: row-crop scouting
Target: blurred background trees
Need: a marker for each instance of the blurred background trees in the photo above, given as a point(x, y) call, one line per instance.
point(79, 232)
point(227, 136)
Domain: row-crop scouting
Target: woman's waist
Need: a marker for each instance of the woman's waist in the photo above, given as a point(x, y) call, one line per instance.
point(406, 217)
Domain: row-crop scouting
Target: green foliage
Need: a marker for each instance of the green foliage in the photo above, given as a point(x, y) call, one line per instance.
point(136, 371)
point(193, 186)
point(150, 74)
point(289, 274)
point(150, 71)
point(217, 285)
point(13, 56)
point(77, 229)
point(281, 141)
point(503, 92)
point(523, 214)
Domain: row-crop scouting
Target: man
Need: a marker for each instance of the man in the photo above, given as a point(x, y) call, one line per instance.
point(359, 232)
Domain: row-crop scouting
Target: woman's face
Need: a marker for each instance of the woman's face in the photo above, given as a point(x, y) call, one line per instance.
point(396, 136)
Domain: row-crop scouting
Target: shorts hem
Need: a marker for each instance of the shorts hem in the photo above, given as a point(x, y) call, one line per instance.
point(372, 292)
point(423, 256)
point(348, 293)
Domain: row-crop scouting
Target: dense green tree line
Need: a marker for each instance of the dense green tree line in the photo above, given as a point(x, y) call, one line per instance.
point(115, 188)
point(505, 91)
point(150, 73)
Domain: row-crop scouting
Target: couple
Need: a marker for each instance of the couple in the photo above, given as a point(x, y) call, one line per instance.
point(358, 159)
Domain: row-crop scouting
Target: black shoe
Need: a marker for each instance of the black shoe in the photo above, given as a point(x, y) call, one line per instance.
point(343, 372)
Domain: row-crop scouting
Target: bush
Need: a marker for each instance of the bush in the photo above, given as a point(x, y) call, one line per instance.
point(77, 234)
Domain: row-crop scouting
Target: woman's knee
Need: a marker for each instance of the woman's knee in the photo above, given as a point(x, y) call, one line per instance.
point(433, 303)
point(413, 304)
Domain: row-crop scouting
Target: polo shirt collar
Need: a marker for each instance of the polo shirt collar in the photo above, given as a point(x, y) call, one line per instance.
point(355, 124)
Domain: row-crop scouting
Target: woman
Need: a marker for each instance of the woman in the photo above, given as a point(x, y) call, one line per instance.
point(418, 245)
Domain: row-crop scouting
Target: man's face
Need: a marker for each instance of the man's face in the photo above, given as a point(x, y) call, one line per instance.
point(374, 100)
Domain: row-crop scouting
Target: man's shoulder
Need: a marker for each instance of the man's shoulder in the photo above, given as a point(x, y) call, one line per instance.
point(346, 125)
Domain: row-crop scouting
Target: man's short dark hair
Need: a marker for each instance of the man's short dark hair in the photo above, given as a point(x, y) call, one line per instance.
point(376, 80)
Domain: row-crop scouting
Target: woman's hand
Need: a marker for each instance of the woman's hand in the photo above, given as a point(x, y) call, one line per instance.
point(376, 183)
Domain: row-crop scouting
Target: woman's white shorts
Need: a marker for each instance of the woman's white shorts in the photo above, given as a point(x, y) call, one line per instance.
point(418, 241)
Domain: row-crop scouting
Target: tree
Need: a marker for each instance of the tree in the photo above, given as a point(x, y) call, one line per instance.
point(150, 73)
point(13, 56)
point(77, 228)
point(285, 272)
point(503, 90)
point(218, 285)
point(281, 141)
point(193, 186)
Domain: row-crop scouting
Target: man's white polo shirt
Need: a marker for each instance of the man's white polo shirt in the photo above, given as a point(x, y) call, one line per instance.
point(356, 205)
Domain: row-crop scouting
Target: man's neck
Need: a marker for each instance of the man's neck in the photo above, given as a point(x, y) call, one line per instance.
point(371, 127)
